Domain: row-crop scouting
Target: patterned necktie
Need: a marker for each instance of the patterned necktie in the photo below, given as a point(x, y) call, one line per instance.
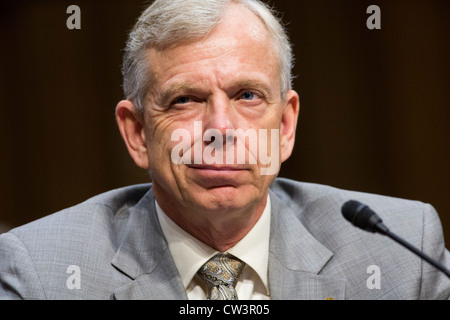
point(221, 274)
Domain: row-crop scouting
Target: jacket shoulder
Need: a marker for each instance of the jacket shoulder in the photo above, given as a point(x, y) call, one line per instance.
point(301, 196)
point(45, 251)
point(106, 207)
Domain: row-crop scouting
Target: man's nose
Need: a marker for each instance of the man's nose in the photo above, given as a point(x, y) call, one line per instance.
point(219, 116)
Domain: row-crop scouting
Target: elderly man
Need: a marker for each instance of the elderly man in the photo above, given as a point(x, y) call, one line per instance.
point(210, 113)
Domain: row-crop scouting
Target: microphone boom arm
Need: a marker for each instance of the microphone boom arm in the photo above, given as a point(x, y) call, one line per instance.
point(361, 216)
point(410, 247)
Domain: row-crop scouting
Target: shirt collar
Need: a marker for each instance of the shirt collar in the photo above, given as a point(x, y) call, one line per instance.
point(189, 253)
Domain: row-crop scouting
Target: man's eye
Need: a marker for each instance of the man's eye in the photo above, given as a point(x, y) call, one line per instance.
point(248, 95)
point(182, 100)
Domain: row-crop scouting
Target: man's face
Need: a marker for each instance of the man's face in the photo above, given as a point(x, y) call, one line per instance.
point(226, 81)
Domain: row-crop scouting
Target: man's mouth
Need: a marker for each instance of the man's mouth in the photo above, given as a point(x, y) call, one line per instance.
point(213, 176)
point(217, 167)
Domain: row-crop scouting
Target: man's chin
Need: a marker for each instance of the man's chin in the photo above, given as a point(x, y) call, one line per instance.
point(224, 198)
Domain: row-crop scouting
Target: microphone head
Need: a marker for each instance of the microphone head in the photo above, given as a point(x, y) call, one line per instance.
point(351, 209)
point(361, 216)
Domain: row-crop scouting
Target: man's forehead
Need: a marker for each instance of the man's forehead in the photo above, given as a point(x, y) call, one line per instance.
point(237, 25)
point(239, 44)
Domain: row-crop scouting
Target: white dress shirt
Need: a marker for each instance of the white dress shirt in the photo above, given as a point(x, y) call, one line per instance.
point(189, 254)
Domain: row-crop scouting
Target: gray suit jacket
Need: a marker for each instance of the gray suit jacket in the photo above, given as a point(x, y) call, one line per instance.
point(115, 243)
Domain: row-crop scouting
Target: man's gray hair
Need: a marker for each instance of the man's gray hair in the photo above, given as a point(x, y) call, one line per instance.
point(167, 22)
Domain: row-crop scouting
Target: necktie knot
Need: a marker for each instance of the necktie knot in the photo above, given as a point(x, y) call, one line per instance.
point(221, 274)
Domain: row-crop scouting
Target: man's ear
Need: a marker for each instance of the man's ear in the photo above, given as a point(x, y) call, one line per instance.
point(289, 119)
point(131, 126)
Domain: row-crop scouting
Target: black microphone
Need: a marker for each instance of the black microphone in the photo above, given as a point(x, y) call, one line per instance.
point(365, 218)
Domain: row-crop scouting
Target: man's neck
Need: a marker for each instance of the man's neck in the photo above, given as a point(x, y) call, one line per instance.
point(219, 230)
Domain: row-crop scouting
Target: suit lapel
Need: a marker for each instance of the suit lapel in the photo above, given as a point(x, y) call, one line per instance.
point(296, 259)
point(144, 257)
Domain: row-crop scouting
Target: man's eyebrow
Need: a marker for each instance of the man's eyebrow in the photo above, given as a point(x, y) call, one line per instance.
point(246, 83)
point(168, 94)
point(252, 84)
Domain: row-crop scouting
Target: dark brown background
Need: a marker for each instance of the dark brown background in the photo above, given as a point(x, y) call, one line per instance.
point(374, 103)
